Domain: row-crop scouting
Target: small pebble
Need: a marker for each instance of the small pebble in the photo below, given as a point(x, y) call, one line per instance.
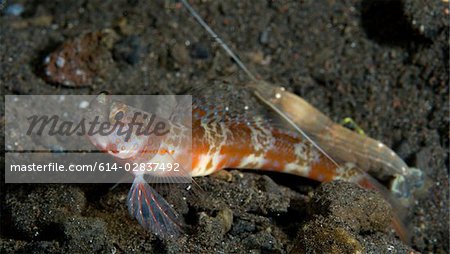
point(83, 104)
point(226, 217)
point(128, 50)
point(180, 54)
point(80, 61)
point(60, 62)
point(199, 51)
point(264, 37)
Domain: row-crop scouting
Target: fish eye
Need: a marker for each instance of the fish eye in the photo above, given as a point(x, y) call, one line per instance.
point(119, 115)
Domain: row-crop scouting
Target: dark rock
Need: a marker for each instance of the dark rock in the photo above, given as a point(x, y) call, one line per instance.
point(264, 37)
point(262, 240)
point(41, 247)
point(34, 213)
point(243, 226)
point(128, 50)
point(427, 17)
point(86, 235)
point(180, 54)
point(199, 51)
point(322, 235)
point(359, 209)
point(252, 192)
point(347, 219)
point(77, 62)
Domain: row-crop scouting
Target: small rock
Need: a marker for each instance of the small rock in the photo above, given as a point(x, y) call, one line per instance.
point(128, 50)
point(242, 226)
point(32, 213)
point(323, 236)
point(210, 228)
point(199, 51)
point(353, 206)
point(258, 57)
point(86, 235)
point(124, 27)
point(223, 175)
point(78, 61)
point(427, 17)
point(264, 37)
point(226, 217)
point(180, 54)
point(263, 240)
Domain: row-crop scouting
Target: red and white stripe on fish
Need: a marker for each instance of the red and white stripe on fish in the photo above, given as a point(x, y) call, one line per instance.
point(255, 144)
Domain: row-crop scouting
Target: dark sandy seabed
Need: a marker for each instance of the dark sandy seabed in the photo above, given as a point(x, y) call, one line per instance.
point(382, 63)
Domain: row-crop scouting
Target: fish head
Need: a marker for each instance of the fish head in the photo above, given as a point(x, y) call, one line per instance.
point(123, 138)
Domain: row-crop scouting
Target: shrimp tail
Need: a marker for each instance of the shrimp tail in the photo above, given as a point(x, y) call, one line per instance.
point(152, 211)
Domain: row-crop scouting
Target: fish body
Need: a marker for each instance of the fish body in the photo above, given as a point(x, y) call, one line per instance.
point(233, 141)
point(219, 140)
point(253, 144)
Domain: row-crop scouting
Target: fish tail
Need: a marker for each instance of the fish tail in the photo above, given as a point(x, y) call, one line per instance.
point(152, 211)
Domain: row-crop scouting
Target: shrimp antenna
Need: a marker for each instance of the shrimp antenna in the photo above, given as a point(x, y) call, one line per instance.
point(218, 39)
point(263, 90)
point(252, 77)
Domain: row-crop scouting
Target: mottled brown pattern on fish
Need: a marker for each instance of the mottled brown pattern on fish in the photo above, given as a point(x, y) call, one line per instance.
point(218, 145)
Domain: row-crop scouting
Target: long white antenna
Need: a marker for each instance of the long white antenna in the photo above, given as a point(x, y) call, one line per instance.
point(296, 127)
point(217, 39)
point(242, 66)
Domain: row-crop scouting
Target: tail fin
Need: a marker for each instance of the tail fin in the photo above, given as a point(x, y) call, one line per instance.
point(152, 211)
